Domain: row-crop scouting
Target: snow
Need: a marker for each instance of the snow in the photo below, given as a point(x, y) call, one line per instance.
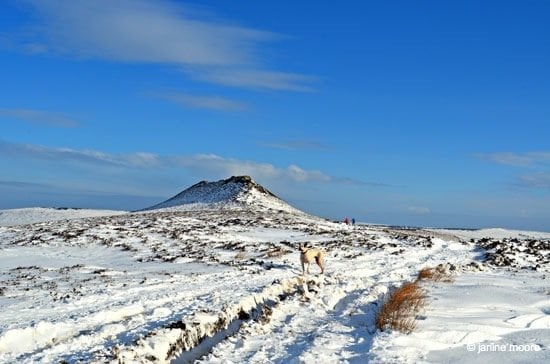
point(223, 284)
point(482, 317)
point(233, 192)
point(33, 215)
point(495, 233)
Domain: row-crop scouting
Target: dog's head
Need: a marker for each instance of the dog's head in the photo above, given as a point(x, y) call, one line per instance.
point(302, 248)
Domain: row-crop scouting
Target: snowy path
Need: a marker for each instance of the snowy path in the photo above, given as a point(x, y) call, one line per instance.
point(330, 327)
point(335, 323)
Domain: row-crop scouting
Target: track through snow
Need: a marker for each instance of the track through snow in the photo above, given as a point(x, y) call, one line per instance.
point(331, 321)
point(142, 287)
point(334, 322)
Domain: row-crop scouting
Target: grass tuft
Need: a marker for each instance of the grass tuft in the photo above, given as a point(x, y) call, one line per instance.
point(240, 256)
point(400, 308)
point(437, 274)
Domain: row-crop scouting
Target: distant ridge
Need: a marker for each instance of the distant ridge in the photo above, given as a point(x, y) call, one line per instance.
point(233, 191)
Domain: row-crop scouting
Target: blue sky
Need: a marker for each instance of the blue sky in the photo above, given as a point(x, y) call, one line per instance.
point(431, 113)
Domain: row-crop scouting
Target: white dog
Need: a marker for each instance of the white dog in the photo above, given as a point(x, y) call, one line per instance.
point(308, 254)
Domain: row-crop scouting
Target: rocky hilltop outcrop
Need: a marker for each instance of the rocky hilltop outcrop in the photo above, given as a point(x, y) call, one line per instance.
point(233, 191)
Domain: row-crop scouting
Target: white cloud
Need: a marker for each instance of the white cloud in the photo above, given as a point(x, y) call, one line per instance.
point(141, 160)
point(537, 161)
point(39, 117)
point(255, 79)
point(200, 164)
point(419, 210)
point(161, 31)
point(518, 159)
point(143, 31)
point(536, 180)
point(20, 184)
point(222, 167)
point(300, 175)
point(217, 103)
point(296, 145)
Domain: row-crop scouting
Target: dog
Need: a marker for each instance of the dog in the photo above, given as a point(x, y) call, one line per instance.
point(307, 255)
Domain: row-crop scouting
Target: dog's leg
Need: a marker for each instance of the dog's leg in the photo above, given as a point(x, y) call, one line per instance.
point(320, 263)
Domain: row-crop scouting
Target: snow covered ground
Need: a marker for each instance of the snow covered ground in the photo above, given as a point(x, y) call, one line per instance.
point(484, 317)
point(494, 233)
point(33, 215)
point(224, 285)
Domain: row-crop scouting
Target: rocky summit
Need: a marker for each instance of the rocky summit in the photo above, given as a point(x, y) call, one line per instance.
point(230, 192)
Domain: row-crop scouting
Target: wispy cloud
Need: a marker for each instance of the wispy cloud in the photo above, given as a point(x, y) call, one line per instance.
point(199, 164)
point(536, 180)
point(528, 159)
point(143, 31)
point(296, 145)
point(539, 162)
point(217, 103)
point(215, 165)
point(39, 117)
point(418, 210)
point(162, 31)
point(17, 194)
point(141, 160)
point(255, 79)
point(20, 184)
point(357, 182)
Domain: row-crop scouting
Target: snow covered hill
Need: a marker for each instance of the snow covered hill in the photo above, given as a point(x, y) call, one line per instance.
point(227, 193)
point(218, 279)
point(33, 215)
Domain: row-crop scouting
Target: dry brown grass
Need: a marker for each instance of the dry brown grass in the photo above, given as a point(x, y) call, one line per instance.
point(437, 274)
point(400, 308)
point(277, 252)
point(240, 256)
